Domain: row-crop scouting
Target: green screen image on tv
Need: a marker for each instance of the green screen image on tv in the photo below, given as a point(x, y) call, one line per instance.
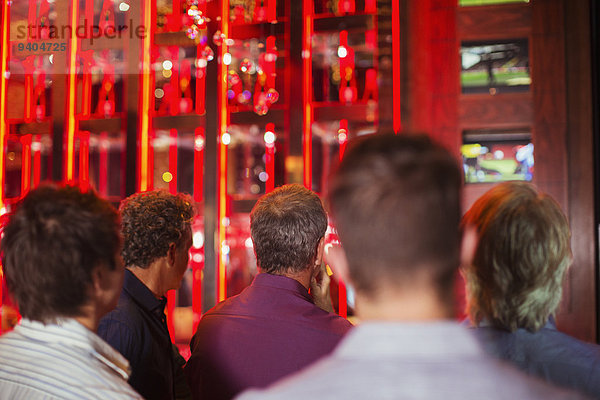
point(495, 66)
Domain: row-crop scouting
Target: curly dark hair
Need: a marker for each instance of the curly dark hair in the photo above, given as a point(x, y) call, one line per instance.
point(286, 227)
point(151, 221)
point(50, 247)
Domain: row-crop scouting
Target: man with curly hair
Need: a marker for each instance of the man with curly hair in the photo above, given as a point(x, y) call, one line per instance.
point(157, 236)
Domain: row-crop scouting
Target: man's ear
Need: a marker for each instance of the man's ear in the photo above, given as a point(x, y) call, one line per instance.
point(316, 267)
point(100, 279)
point(335, 257)
point(468, 246)
point(171, 254)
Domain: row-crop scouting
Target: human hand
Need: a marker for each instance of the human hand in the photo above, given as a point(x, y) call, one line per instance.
point(319, 288)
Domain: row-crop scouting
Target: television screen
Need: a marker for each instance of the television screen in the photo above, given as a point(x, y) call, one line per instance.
point(495, 67)
point(497, 156)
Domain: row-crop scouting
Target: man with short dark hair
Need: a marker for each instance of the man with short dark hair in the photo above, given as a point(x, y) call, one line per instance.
point(157, 236)
point(273, 328)
point(515, 286)
point(60, 256)
point(396, 205)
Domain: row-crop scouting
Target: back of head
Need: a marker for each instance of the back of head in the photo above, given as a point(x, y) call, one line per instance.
point(51, 245)
point(395, 202)
point(515, 280)
point(151, 222)
point(287, 225)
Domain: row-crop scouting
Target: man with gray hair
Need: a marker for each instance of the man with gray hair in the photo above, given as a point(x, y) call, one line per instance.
point(274, 327)
point(514, 286)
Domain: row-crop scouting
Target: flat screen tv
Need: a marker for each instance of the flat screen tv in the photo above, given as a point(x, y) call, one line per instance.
point(497, 156)
point(495, 66)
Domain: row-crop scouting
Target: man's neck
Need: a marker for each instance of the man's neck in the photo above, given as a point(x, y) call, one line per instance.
point(303, 277)
point(402, 306)
point(150, 277)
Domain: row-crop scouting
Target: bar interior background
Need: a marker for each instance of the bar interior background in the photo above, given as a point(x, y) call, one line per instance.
point(227, 99)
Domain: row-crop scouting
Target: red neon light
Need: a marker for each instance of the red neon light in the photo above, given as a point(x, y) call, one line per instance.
point(3, 66)
point(200, 81)
point(171, 299)
point(370, 6)
point(88, 60)
point(397, 122)
point(86, 96)
point(36, 148)
point(198, 164)
point(4, 17)
point(198, 196)
point(307, 92)
point(270, 159)
point(171, 295)
point(143, 152)
point(271, 10)
point(175, 22)
point(200, 69)
point(103, 167)
point(343, 141)
point(151, 137)
point(196, 293)
point(71, 89)
point(28, 97)
point(342, 299)
point(25, 164)
point(84, 160)
point(343, 137)
point(222, 187)
point(173, 161)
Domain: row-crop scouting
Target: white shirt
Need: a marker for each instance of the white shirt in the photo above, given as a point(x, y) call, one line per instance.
point(60, 361)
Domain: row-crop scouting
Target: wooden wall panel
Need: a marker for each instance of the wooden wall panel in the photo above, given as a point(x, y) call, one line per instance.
point(511, 110)
point(491, 22)
point(444, 74)
point(581, 315)
point(549, 99)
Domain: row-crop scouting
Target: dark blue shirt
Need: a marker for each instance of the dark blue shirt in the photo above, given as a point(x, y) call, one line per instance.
point(268, 331)
point(137, 328)
point(548, 353)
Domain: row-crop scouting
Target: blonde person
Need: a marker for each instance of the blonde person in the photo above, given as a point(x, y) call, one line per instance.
point(514, 285)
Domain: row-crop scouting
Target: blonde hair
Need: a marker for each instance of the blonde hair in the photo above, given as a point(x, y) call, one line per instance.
point(515, 280)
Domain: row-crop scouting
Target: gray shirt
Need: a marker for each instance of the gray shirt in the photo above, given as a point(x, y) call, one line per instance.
point(390, 360)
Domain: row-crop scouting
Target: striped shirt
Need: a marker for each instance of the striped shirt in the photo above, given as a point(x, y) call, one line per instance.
point(60, 361)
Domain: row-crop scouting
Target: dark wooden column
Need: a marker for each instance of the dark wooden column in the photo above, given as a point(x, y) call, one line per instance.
point(579, 313)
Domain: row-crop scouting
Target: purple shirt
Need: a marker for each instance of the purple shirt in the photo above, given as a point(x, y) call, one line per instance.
point(270, 330)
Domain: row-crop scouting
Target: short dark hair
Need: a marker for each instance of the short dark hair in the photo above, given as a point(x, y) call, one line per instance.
point(287, 225)
point(522, 255)
point(395, 201)
point(151, 222)
point(51, 244)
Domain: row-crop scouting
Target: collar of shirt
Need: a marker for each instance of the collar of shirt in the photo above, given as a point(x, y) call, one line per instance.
point(281, 282)
point(144, 296)
point(436, 339)
point(69, 332)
